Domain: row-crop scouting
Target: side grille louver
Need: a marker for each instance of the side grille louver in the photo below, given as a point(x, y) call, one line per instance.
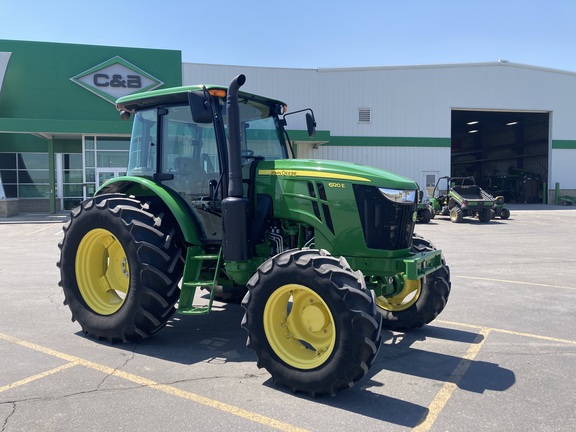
point(318, 192)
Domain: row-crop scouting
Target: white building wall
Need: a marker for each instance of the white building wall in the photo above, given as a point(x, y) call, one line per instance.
point(417, 101)
point(411, 162)
point(563, 162)
point(411, 102)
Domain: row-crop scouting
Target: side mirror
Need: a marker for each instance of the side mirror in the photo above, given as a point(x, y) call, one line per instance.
point(310, 124)
point(420, 195)
point(200, 108)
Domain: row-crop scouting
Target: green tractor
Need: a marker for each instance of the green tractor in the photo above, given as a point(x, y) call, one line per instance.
point(322, 254)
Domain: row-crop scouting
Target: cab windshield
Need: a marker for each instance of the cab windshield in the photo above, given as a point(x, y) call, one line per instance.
point(260, 136)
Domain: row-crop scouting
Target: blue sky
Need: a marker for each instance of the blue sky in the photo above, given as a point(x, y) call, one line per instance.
point(313, 33)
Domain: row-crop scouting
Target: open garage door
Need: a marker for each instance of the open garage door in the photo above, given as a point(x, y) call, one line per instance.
point(506, 151)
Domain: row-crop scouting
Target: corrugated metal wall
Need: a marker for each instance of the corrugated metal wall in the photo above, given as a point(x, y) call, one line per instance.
point(413, 102)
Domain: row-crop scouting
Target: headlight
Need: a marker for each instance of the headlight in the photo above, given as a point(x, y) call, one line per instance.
point(399, 196)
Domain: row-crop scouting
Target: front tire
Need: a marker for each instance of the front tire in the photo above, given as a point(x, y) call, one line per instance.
point(424, 215)
point(120, 265)
point(419, 302)
point(311, 321)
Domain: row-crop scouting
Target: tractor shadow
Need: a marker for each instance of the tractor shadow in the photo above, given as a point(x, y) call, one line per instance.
point(398, 355)
point(188, 339)
point(219, 338)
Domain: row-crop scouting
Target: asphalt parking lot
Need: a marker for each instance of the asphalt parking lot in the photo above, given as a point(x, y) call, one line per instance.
point(500, 357)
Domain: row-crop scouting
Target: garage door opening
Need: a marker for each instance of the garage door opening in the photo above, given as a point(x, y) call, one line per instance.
point(507, 152)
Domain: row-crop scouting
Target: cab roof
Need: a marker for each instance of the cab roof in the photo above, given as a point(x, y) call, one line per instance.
point(179, 95)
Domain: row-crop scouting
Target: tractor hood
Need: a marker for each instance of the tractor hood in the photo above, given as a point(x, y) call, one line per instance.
point(336, 171)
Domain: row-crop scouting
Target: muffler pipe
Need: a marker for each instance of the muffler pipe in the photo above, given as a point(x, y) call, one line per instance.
point(235, 188)
point(235, 207)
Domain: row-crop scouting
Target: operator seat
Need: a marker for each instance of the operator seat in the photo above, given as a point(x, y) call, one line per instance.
point(190, 174)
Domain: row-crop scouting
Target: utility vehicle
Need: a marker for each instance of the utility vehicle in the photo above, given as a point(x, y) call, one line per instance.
point(425, 212)
point(460, 197)
point(323, 253)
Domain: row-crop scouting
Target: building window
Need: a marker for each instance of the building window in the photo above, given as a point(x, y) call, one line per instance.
point(104, 158)
point(25, 175)
point(72, 179)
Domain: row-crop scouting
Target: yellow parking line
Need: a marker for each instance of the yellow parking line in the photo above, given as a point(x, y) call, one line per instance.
point(230, 409)
point(451, 384)
point(47, 226)
point(442, 397)
point(515, 333)
point(514, 282)
point(37, 377)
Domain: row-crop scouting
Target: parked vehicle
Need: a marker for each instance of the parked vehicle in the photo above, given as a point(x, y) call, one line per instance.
point(425, 212)
point(500, 210)
point(460, 197)
point(303, 241)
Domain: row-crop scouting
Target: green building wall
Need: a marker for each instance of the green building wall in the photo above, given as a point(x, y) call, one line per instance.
point(42, 110)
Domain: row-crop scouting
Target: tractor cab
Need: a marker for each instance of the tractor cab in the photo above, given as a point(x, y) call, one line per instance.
point(176, 143)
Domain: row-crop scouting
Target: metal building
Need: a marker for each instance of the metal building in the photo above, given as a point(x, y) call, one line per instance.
point(509, 125)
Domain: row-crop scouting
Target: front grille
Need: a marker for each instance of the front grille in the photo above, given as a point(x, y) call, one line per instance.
point(386, 225)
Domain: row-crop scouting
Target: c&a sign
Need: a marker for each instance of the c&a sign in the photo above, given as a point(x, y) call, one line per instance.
point(116, 78)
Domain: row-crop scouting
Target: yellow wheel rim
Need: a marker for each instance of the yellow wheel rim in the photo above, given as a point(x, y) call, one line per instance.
point(102, 271)
point(299, 326)
point(404, 299)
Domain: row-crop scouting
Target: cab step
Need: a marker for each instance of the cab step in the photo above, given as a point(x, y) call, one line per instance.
point(191, 281)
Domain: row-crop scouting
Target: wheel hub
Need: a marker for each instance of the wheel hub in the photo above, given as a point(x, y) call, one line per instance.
point(102, 271)
point(313, 318)
point(299, 326)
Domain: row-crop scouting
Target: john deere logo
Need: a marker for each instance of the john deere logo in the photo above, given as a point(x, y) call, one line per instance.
point(116, 78)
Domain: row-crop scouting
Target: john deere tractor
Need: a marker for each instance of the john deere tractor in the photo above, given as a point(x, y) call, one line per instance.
point(322, 253)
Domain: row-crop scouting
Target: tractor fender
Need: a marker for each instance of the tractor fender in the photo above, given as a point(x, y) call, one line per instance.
point(142, 188)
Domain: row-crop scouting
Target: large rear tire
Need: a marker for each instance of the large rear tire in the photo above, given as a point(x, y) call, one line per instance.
point(120, 265)
point(419, 302)
point(456, 215)
point(311, 321)
point(485, 215)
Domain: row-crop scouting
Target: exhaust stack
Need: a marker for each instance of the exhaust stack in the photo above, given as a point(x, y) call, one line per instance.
point(235, 188)
point(235, 207)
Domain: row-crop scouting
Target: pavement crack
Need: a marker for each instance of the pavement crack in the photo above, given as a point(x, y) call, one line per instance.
point(57, 301)
point(129, 357)
point(10, 414)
